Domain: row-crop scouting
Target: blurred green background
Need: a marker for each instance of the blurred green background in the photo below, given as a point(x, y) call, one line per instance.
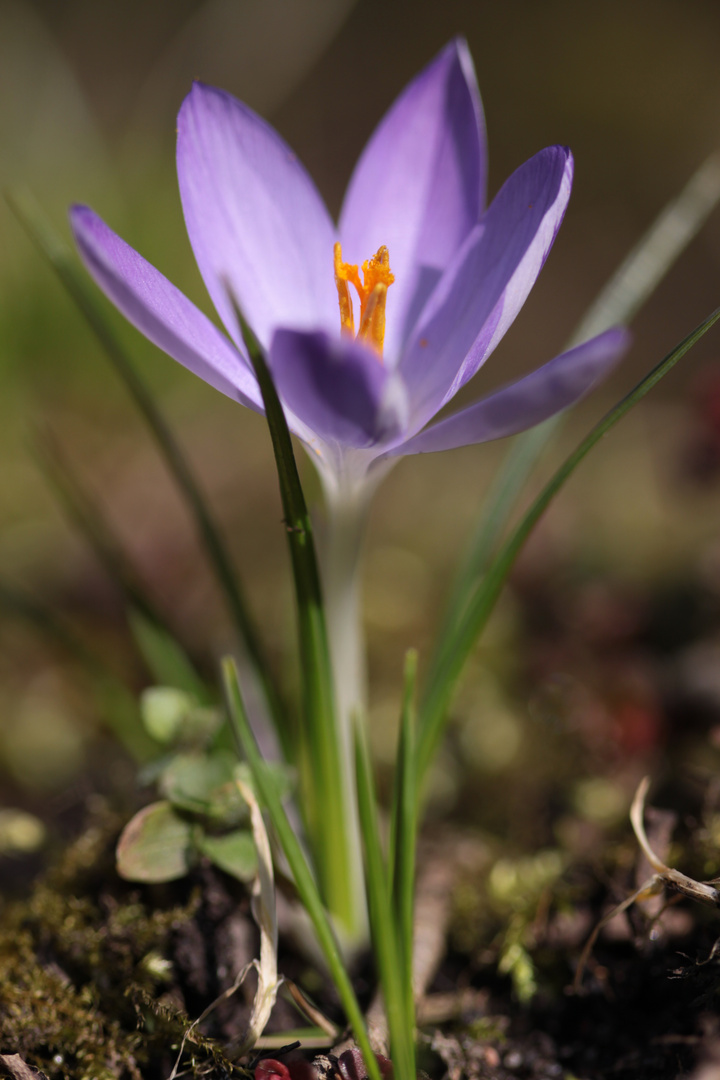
point(88, 94)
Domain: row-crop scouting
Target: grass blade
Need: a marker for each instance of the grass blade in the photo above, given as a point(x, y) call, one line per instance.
point(624, 294)
point(383, 928)
point(501, 499)
point(164, 656)
point(84, 295)
point(83, 510)
point(117, 706)
point(404, 836)
point(482, 600)
point(303, 878)
point(648, 262)
point(328, 814)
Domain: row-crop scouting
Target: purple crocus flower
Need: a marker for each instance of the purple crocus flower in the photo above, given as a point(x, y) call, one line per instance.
point(443, 278)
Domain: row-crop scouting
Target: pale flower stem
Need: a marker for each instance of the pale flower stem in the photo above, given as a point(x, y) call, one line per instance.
point(340, 569)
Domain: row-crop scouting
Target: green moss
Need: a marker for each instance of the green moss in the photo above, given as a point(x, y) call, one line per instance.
point(84, 972)
point(489, 1029)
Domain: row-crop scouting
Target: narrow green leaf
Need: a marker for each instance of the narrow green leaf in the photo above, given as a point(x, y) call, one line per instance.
point(84, 295)
point(482, 599)
point(387, 947)
point(404, 835)
point(642, 270)
point(118, 710)
point(18, 604)
point(624, 294)
point(166, 658)
point(84, 511)
point(167, 661)
point(278, 774)
point(117, 707)
point(498, 506)
point(321, 769)
point(302, 875)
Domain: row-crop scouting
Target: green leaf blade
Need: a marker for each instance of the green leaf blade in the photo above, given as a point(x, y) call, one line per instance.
point(165, 658)
point(302, 875)
point(482, 599)
point(117, 706)
point(404, 835)
point(629, 287)
point(387, 947)
point(322, 767)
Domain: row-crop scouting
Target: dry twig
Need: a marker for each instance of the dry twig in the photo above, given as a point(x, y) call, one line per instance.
point(665, 877)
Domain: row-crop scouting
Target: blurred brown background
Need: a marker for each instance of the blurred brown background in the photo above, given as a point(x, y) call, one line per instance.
point(88, 94)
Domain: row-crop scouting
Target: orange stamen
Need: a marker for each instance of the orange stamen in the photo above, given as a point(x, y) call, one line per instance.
point(342, 276)
point(372, 291)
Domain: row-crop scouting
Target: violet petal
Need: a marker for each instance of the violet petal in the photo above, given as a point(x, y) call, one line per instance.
point(487, 283)
point(160, 311)
point(419, 186)
point(255, 219)
point(553, 387)
point(336, 387)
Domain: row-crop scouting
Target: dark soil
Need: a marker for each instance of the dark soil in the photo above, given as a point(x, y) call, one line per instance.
point(100, 979)
point(645, 1014)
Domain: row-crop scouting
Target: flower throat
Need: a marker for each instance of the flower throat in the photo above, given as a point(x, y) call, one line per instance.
point(372, 290)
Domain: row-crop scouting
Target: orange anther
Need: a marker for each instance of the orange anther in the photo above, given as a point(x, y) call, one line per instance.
point(372, 291)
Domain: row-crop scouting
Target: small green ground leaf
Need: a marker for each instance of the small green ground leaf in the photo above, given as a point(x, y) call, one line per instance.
point(156, 845)
point(20, 832)
point(234, 853)
point(164, 711)
point(205, 784)
point(173, 716)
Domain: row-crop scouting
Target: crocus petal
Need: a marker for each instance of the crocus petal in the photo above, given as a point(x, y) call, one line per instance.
point(487, 283)
point(160, 311)
point(419, 186)
point(337, 388)
point(553, 387)
point(256, 222)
